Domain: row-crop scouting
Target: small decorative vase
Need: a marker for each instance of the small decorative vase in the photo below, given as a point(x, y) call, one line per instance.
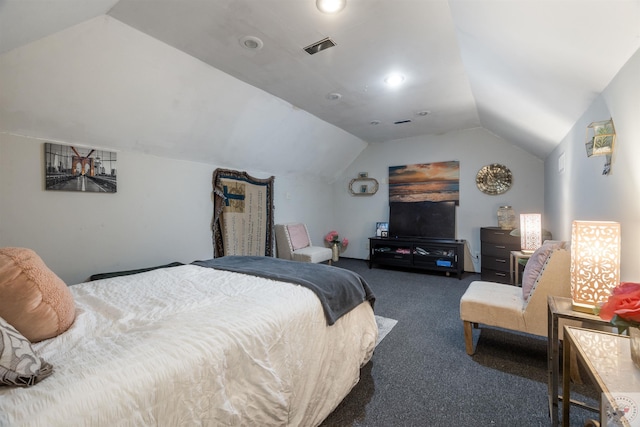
point(634, 344)
point(506, 217)
point(335, 250)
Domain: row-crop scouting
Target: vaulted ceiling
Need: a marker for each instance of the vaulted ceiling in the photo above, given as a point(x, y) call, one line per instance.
point(523, 69)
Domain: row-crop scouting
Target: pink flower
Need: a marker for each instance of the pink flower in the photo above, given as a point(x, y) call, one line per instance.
point(623, 302)
point(625, 288)
point(331, 236)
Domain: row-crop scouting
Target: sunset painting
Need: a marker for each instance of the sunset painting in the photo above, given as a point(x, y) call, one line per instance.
point(432, 182)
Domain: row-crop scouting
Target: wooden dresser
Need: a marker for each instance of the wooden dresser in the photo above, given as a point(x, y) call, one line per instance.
point(496, 246)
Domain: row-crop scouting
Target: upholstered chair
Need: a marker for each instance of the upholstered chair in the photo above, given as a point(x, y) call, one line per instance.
point(294, 243)
point(522, 309)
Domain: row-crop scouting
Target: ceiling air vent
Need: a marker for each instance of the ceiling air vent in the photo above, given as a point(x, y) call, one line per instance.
point(320, 46)
point(401, 122)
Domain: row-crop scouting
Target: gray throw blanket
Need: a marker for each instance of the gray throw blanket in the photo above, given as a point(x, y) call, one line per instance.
point(339, 290)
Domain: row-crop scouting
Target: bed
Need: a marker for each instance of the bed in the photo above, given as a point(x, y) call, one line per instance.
point(196, 345)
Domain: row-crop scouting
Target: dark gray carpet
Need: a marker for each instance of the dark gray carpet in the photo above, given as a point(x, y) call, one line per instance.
point(420, 375)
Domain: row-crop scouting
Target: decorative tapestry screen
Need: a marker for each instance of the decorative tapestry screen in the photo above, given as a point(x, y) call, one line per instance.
point(242, 221)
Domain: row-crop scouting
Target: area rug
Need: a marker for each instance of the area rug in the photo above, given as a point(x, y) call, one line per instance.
point(385, 325)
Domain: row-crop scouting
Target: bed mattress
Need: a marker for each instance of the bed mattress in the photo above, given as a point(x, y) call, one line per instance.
point(195, 346)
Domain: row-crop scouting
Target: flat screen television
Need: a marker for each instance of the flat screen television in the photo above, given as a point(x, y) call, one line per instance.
point(435, 220)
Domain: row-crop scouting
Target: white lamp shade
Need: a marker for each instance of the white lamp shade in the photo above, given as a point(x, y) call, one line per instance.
point(530, 232)
point(595, 262)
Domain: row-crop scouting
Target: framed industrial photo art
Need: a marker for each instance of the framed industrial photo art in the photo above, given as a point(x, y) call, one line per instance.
point(73, 168)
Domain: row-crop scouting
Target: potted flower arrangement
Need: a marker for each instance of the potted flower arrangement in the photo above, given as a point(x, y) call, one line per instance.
point(333, 240)
point(622, 309)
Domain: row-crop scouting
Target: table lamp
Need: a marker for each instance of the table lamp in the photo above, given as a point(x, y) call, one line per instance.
point(595, 262)
point(530, 232)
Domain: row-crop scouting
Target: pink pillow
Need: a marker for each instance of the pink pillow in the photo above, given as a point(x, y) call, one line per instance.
point(534, 266)
point(298, 236)
point(34, 300)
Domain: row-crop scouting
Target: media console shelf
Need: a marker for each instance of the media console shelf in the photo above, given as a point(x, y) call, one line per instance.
point(428, 254)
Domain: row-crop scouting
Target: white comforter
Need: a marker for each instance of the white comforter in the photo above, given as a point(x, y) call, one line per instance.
point(195, 346)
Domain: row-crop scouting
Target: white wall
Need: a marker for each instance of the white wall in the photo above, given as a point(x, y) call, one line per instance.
point(581, 192)
point(160, 213)
point(104, 84)
point(303, 198)
point(355, 216)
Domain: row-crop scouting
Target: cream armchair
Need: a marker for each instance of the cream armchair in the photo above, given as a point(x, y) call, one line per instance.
point(505, 306)
point(293, 242)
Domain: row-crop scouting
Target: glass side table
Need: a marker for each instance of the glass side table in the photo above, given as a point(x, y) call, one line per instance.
point(607, 359)
point(561, 308)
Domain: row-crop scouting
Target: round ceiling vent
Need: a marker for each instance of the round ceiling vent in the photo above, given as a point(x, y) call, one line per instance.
point(251, 42)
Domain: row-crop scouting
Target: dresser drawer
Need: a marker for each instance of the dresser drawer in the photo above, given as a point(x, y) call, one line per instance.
point(498, 235)
point(501, 250)
point(495, 263)
point(489, 275)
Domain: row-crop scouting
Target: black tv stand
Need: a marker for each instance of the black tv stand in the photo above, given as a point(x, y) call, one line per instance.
point(418, 252)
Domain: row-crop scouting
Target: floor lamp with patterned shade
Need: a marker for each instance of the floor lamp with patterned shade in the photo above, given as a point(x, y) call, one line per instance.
point(595, 262)
point(530, 232)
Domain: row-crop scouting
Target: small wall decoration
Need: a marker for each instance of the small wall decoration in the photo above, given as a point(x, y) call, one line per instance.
point(73, 168)
point(368, 186)
point(494, 179)
point(599, 141)
point(428, 182)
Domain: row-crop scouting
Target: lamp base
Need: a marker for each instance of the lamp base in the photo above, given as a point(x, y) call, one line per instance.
point(583, 308)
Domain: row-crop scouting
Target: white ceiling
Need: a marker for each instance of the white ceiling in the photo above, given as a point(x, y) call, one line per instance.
point(523, 69)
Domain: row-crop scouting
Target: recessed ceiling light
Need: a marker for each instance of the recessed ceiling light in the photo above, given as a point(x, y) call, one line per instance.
point(251, 42)
point(394, 79)
point(333, 96)
point(330, 6)
point(423, 113)
point(374, 122)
